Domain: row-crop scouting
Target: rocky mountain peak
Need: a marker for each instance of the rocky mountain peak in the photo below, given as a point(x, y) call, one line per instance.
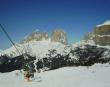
point(103, 29)
point(105, 23)
point(37, 36)
point(58, 35)
point(101, 34)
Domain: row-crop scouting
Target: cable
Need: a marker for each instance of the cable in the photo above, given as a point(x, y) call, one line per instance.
point(25, 56)
point(3, 29)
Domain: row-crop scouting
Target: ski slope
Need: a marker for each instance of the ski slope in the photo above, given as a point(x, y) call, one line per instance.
point(97, 75)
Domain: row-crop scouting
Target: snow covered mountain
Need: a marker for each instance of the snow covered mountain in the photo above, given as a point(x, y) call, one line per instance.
point(54, 54)
point(100, 35)
point(36, 35)
point(60, 36)
point(105, 23)
point(51, 53)
point(39, 43)
point(35, 48)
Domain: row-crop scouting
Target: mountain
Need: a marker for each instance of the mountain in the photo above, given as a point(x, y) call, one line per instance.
point(53, 53)
point(39, 43)
point(35, 48)
point(49, 55)
point(45, 51)
point(104, 24)
point(38, 52)
point(59, 35)
point(100, 35)
point(37, 36)
point(87, 54)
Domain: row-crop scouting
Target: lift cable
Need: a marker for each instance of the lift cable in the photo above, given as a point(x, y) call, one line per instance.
point(3, 29)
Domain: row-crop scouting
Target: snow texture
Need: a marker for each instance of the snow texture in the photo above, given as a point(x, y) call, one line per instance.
point(37, 48)
point(97, 75)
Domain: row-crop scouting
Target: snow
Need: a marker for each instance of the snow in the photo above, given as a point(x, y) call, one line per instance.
point(105, 23)
point(103, 35)
point(106, 54)
point(40, 49)
point(82, 43)
point(97, 75)
point(73, 56)
point(36, 48)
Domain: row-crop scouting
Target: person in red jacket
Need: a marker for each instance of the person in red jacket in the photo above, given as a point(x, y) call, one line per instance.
point(27, 76)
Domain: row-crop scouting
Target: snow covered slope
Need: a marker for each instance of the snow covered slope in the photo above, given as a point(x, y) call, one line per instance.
point(36, 48)
point(82, 43)
point(97, 75)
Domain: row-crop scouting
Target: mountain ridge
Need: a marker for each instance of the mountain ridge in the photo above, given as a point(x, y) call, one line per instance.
point(100, 35)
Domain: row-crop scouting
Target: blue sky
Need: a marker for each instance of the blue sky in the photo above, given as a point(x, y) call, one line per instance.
point(76, 17)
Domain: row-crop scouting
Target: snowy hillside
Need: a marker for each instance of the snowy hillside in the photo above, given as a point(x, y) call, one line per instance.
point(35, 48)
point(97, 75)
point(82, 43)
point(100, 35)
point(52, 55)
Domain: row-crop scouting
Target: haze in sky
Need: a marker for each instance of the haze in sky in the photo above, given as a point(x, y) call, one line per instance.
point(76, 17)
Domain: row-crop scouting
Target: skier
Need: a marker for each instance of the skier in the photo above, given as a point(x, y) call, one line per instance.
point(28, 72)
point(27, 76)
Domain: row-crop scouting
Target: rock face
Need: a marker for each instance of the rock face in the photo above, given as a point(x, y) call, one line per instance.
point(37, 36)
point(100, 35)
point(103, 30)
point(59, 35)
